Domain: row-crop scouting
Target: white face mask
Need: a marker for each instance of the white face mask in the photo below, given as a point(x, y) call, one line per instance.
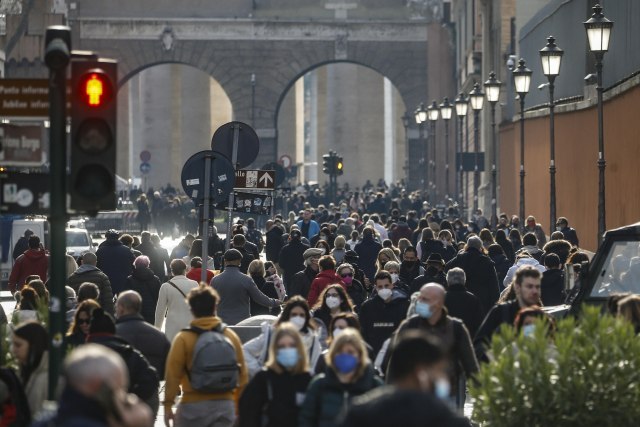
point(385, 293)
point(333, 302)
point(298, 321)
point(394, 277)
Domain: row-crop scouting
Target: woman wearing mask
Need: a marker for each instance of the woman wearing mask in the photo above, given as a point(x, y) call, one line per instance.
point(349, 373)
point(460, 230)
point(296, 311)
point(334, 300)
point(338, 324)
point(79, 328)
point(355, 289)
point(450, 251)
point(29, 345)
point(271, 274)
point(324, 246)
point(393, 268)
point(273, 397)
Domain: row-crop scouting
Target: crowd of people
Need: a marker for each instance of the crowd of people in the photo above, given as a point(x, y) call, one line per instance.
point(367, 306)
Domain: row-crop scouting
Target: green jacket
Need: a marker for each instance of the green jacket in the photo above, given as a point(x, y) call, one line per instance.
point(328, 400)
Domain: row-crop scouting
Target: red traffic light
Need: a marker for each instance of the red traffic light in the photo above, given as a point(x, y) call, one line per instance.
point(95, 88)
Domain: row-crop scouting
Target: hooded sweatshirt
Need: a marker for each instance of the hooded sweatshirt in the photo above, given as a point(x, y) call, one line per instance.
point(32, 261)
point(520, 263)
point(379, 318)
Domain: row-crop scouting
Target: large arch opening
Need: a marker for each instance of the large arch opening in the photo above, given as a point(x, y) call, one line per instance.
point(169, 110)
point(349, 108)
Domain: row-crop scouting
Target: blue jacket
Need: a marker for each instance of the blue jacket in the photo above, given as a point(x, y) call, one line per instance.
point(314, 228)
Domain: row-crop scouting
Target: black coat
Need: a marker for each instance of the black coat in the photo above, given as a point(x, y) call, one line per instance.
point(507, 247)
point(465, 306)
point(432, 246)
point(274, 243)
point(357, 293)
point(145, 338)
point(387, 406)
point(147, 284)
point(143, 378)
point(368, 250)
point(116, 261)
point(291, 260)
point(273, 396)
point(378, 320)
point(425, 278)
point(500, 314)
point(21, 245)
point(503, 265)
point(301, 282)
point(156, 258)
point(482, 280)
point(552, 287)
point(87, 273)
point(269, 290)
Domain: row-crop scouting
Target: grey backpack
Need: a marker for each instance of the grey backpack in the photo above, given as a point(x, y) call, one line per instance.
point(214, 366)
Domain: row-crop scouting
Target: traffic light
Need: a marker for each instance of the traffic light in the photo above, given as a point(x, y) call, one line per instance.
point(93, 135)
point(339, 165)
point(327, 164)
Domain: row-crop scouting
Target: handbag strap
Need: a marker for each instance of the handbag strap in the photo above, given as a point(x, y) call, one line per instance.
point(177, 288)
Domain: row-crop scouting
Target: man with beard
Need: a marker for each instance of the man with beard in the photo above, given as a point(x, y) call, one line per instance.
point(410, 267)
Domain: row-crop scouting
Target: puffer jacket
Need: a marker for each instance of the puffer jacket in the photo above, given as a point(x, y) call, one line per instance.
point(147, 284)
point(328, 400)
point(90, 273)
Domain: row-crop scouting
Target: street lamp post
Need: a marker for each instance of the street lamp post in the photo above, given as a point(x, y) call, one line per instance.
point(432, 114)
point(421, 117)
point(445, 110)
point(551, 56)
point(599, 33)
point(406, 121)
point(476, 97)
point(492, 88)
point(462, 105)
point(522, 81)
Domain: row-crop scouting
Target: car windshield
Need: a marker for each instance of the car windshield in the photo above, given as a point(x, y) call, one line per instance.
point(620, 271)
point(77, 239)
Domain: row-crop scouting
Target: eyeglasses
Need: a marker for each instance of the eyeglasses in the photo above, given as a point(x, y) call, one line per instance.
point(83, 321)
point(346, 275)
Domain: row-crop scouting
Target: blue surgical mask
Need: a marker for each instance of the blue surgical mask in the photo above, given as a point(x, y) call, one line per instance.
point(423, 310)
point(287, 357)
point(528, 330)
point(345, 363)
point(442, 389)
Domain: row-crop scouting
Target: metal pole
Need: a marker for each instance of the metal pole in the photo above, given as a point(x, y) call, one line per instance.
point(205, 217)
point(476, 169)
point(253, 100)
point(460, 173)
point(522, 161)
point(552, 147)
point(434, 188)
point(57, 58)
point(494, 169)
point(602, 164)
point(446, 157)
point(425, 170)
point(234, 162)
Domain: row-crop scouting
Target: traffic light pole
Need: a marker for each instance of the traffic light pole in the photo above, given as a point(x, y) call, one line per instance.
point(205, 218)
point(57, 56)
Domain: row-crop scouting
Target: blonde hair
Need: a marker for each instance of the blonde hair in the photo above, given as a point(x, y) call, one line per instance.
point(392, 264)
point(339, 242)
point(349, 336)
point(256, 267)
point(389, 253)
point(287, 329)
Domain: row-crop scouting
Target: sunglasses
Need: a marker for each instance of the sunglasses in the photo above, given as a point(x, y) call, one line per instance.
point(346, 275)
point(83, 321)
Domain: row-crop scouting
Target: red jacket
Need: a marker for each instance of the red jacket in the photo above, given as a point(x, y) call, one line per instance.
point(196, 274)
point(32, 261)
point(322, 280)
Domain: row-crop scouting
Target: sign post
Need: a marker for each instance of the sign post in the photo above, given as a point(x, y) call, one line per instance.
point(234, 161)
point(205, 217)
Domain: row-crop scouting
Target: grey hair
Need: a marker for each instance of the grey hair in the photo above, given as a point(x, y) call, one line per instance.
point(93, 361)
point(130, 301)
point(456, 276)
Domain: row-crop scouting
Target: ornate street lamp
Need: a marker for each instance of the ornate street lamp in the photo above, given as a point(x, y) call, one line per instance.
point(551, 57)
point(462, 105)
point(446, 109)
point(421, 117)
point(476, 97)
point(406, 122)
point(432, 114)
point(599, 33)
point(492, 89)
point(522, 81)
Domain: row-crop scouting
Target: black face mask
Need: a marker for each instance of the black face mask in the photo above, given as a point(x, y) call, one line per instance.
point(432, 271)
point(410, 264)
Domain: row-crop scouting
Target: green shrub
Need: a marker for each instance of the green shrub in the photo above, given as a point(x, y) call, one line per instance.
point(590, 376)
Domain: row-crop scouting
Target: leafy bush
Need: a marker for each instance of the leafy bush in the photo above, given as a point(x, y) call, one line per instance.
point(589, 376)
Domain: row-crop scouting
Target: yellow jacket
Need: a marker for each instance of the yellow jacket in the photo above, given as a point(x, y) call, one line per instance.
point(179, 363)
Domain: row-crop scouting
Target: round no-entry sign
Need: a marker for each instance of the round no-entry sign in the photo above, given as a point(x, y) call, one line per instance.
point(145, 156)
